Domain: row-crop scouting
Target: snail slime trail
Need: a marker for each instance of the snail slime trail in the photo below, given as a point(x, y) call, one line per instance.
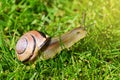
point(46, 47)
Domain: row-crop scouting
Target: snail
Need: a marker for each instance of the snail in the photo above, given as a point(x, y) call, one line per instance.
point(34, 42)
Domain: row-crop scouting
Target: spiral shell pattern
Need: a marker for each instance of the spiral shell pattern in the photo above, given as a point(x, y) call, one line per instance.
point(29, 44)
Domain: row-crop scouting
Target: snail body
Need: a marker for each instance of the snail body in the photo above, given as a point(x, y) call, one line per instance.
point(34, 42)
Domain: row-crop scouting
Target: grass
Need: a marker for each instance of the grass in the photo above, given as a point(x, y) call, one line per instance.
point(96, 57)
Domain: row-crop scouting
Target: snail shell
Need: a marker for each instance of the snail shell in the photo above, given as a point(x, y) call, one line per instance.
point(29, 44)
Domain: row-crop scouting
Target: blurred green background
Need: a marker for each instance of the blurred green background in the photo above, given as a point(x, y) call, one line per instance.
point(96, 57)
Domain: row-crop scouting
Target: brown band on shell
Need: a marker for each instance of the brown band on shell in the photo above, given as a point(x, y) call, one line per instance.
point(40, 38)
point(34, 43)
point(42, 34)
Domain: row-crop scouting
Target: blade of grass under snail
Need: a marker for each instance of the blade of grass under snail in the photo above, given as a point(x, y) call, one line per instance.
point(67, 40)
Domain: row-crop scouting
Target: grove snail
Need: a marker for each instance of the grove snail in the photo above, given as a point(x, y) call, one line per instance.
point(33, 43)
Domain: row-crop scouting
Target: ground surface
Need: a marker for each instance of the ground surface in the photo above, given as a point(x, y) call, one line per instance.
point(96, 57)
